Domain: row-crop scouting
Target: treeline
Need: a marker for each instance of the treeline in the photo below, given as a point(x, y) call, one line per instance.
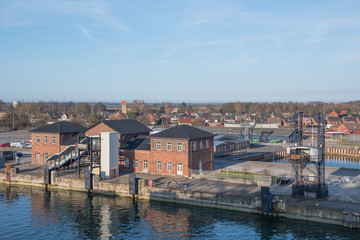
point(30, 115)
point(289, 107)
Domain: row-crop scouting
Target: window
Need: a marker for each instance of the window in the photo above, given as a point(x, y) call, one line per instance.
point(38, 156)
point(37, 139)
point(169, 146)
point(158, 165)
point(207, 143)
point(46, 156)
point(53, 140)
point(169, 166)
point(145, 164)
point(179, 146)
point(136, 163)
point(45, 139)
point(158, 145)
point(126, 162)
point(201, 145)
point(194, 147)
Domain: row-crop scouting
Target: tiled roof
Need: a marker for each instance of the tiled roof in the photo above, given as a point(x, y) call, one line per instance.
point(183, 132)
point(185, 120)
point(127, 126)
point(60, 127)
point(351, 126)
point(333, 119)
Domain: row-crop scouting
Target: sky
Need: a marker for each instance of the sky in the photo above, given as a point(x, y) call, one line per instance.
point(191, 51)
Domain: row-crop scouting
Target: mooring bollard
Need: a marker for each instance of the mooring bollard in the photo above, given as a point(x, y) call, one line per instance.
point(8, 174)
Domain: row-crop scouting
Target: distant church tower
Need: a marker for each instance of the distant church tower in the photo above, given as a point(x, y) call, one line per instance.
point(123, 107)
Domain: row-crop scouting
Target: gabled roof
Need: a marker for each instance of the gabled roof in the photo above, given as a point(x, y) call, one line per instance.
point(59, 127)
point(183, 132)
point(185, 120)
point(333, 118)
point(127, 126)
point(349, 119)
point(351, 126)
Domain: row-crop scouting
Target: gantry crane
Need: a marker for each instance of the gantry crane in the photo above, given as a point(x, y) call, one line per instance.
point(301, 156)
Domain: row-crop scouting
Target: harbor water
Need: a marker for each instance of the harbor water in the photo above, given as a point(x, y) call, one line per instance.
point(335, 161)
point(33, 213)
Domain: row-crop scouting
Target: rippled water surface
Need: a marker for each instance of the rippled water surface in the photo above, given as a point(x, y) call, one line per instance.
point(334, 161)
point(32, 213)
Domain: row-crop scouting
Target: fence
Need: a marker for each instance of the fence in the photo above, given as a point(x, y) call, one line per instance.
point(234, 175)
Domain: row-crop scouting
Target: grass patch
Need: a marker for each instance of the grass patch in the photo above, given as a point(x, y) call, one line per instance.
point(245, 176)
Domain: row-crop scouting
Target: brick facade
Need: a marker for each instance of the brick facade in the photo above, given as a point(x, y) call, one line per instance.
point(140, 155)
point(48, 147)
point(97, 129)
point(189, 157)
point(165, 155)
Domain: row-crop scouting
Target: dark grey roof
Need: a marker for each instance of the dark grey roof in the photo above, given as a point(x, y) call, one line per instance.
point(127, 126)
point(140, 143)
point(183, 132)
point(334, 119)
point(256, 131)
point(59, 127)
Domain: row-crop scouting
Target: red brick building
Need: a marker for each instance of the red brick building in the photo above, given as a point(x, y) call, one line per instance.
point(349, 128)
point(185, 121)
point(180, 150)
point(175, 151)
point(331, 120)
point(52, 139)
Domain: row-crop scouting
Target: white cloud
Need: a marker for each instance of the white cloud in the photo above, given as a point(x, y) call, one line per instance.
point(19, 13)
point(85, 31)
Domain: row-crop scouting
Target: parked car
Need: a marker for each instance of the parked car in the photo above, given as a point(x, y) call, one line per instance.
point(18, 144)
point(27, 145)
point(5, 145)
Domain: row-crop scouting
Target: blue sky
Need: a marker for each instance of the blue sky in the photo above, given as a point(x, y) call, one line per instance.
point(192, 51)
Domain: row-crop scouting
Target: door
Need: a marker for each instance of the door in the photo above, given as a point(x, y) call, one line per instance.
point(200, 166)
point(179, 168)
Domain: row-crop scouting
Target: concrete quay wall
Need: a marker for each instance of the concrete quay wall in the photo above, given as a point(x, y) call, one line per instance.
point(73, 184)
point(282, 208)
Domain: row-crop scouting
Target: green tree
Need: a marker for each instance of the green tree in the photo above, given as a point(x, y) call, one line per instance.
point(182, 108)
point(98, 108)
point(198, 122)
point(82, 108)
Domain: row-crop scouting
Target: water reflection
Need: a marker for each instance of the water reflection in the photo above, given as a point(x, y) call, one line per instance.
point(335, 161)
point(72, 215)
